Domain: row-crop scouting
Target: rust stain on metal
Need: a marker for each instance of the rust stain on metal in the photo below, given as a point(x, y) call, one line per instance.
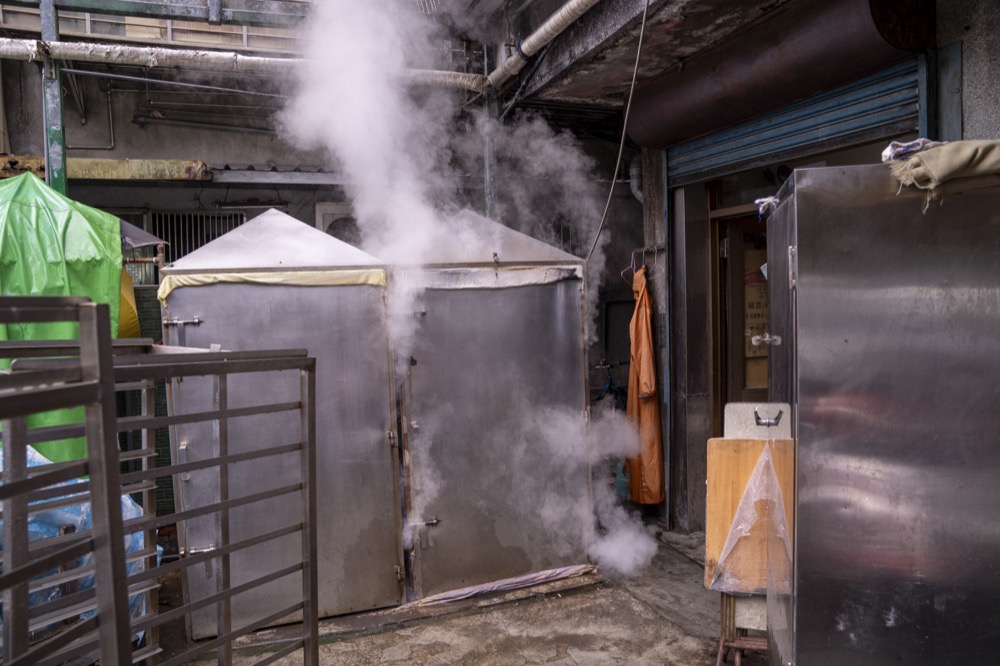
point(16, 165)
point(85, 168)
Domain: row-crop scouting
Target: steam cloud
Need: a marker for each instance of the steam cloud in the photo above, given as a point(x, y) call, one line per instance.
point(408, 156)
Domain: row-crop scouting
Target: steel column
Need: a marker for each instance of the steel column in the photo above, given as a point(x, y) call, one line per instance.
point(105, 487)
point(52, 107)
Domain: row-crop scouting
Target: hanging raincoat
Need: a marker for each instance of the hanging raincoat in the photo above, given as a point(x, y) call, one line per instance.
point(646, 470)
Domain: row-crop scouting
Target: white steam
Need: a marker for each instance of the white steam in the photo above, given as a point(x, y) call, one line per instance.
point(412, 158)
point(621, 544)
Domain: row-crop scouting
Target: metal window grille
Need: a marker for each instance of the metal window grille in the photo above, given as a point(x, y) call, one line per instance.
point(186, 232)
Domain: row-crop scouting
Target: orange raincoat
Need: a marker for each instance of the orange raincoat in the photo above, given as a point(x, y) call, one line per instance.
point(646, 470)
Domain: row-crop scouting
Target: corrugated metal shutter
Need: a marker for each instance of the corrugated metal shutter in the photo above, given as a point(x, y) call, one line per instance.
point(880, 105)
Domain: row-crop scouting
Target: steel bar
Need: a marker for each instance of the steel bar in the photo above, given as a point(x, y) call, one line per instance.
point(55, 348)
point(169, 519)
point(35, 481)
point(75, 604)
point(283, 652)
point(224, 616)
point(212, 644)
point(199, 558)
point(25, 309)
point(15, 538)
point(39, 565)
point(135, 422)
point(310, 569)
point(13, 381)
point(105, 500)
point(174, 84)
point(168, 370)
point(257, 454)
point(34, 400)
point(70, 575)
point(220, 597)
point(36, 656)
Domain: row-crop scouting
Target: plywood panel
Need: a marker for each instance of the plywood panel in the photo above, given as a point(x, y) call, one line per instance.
point(731, 467)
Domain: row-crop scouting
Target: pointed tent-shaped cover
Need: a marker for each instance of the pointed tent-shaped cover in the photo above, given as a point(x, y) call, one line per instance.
point(273, 248)
point(51, 245)
point(470, 238)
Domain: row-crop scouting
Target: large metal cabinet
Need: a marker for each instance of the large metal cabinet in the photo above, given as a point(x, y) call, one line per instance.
point(276, 283)
point(494, 411)
point(889, 352)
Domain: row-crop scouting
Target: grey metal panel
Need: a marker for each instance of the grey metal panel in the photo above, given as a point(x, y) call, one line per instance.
point(781, 254)
point(897, 359)
point(344, 327)
point(492, 371)
point(882, 104)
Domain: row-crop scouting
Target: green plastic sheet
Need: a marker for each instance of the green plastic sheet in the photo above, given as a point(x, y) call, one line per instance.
point(53, 246)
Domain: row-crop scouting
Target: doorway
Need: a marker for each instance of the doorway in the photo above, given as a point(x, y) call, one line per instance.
point(741, 307)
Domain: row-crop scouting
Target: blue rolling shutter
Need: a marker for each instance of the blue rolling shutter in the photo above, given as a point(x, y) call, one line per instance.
point(880, 105)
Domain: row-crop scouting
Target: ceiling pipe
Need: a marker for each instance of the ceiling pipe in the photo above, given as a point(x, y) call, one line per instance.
point(196, 59)
point(804, 50)
point(552, 28)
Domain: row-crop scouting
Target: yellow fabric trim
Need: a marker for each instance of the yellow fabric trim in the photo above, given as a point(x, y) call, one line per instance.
point(365, 276)
point(128, 313)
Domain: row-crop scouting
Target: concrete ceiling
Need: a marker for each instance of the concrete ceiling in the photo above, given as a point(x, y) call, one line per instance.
point(590, 65)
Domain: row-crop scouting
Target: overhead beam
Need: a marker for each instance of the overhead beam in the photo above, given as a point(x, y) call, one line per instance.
point(86, 168)
point(263, 13)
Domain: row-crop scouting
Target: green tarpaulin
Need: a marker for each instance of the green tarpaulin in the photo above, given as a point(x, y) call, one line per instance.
point(53, 246)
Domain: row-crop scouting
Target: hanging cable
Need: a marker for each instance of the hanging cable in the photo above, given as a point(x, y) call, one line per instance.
point(621, 146)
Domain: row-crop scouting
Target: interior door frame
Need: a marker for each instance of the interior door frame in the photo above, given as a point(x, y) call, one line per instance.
point(728, 308)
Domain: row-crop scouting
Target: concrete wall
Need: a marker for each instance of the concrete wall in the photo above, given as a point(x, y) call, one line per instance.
point(23, 105)
point(976, 24)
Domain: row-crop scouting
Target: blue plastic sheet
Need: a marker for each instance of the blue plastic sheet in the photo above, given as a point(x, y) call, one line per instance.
point(48, 524)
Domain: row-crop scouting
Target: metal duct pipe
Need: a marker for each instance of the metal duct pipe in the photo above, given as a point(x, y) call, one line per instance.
point(635, 177)
point(145, 56)
point(535, 42)
point(809, 48)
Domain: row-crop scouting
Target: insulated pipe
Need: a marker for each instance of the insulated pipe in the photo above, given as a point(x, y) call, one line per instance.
point(807, 49)
point(144, 56)
point(460, 80)
point(535, 42)
point(635, 177)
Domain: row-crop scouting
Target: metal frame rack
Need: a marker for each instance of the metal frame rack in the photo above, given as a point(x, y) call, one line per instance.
point(88, 371)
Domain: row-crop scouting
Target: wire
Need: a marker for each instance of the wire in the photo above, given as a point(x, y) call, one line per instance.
point(621, 146)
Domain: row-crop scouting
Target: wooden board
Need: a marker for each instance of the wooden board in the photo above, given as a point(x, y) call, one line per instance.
point(731, 463)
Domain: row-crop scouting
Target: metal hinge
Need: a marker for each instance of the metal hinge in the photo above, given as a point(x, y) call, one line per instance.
point(398, 570)
point(793, 266)
point(391, 436)
point(724, 248)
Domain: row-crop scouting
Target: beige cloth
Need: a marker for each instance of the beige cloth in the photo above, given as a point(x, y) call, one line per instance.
point(643, 408)
point(355, 276)
point(949, 168)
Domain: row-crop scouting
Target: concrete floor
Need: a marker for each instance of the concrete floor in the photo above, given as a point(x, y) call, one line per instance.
point(664, 616)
